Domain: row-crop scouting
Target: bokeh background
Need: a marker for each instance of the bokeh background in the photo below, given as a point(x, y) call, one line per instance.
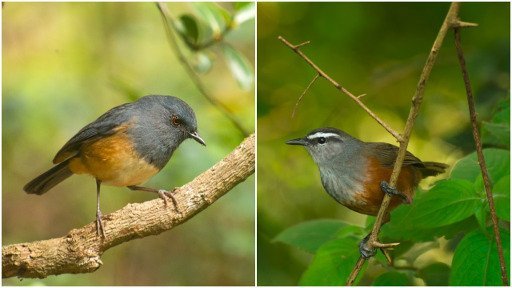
point(64, 64)
point(376, 49)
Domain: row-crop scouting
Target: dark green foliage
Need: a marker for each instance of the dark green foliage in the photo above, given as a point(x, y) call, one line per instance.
point(393, 279)
point(456, 206)
point(475, 262)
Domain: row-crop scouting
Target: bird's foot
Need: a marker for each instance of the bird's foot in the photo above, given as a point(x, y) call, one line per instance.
point(100, 230)
point(369, 250)
point(392, 191)
point(164, 194)
point(366, 250)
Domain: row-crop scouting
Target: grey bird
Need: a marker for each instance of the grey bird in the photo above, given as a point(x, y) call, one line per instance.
point(124, 147)
point(355, 172)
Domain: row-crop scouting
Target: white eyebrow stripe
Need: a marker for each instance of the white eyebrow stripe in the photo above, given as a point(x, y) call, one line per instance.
point(323, 134)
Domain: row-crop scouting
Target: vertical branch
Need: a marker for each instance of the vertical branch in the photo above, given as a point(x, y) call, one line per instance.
point(168, 24)
point(481, 159)
point(372, 242)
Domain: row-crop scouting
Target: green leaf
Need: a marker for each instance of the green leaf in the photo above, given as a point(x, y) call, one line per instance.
point(217, 17)
point(497, 134)
point(501, 195)
point(332, 263)
point(392, 279)
point(240, 67)
point(201, 62)
point(188, 28)
point(244, 12)
point(403, 226)
point(497, 131)
point(449, 201)
point(436, 274)
point(310, 235)
point(482, 215)
point(476, 262)
point(497, 161)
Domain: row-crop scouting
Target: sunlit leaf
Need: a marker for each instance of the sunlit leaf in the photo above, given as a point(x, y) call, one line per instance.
point(244, 12)
point(240, 67)
point(475, 262)
point(201, 62)
point(217, 17)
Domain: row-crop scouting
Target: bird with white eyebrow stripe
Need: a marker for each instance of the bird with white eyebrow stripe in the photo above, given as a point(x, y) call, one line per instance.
point(355, 172)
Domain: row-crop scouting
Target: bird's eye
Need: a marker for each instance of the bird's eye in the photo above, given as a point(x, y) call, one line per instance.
point(321, 140)
point(175, 120)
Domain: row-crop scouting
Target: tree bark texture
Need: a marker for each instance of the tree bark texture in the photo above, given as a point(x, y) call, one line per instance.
point(80, 250)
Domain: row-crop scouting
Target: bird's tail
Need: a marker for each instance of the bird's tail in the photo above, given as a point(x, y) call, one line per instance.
point(433, 168)
point(48, 179)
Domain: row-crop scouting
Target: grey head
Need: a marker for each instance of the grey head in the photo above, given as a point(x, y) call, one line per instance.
point(326, 145)
point(160, 125)
point(339, 159)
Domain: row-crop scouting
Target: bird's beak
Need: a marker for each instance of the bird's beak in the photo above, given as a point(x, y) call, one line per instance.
point(298, 141)
point(194, 135)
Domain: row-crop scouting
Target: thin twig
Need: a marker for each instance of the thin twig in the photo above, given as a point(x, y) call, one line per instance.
point(296, 49)
point(169, 25)
point(481, 159)
point(304, 93)
point(450, 18)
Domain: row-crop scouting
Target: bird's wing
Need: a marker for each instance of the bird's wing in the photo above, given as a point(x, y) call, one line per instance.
point(386, 154)
point(107, 124)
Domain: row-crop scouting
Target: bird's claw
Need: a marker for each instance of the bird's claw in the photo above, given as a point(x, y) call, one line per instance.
point(366, 250)
point(100, 230)
point(164, 194)
point(392, 191)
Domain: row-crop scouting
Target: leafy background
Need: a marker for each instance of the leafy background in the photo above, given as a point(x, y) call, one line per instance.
point(306, 238)
point(64, 64)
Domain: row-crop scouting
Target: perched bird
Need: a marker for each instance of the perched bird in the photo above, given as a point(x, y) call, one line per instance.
point(124, 147)
point(355, 172)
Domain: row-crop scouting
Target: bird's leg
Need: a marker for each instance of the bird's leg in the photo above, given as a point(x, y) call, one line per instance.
point(163, 194)
point(392, 191)
point(100, 230)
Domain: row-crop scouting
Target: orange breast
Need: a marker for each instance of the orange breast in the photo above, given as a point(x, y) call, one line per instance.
point(371, 197)
point(114, 161)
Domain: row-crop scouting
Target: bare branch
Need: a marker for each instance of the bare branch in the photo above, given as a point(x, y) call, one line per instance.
point(169, 26)
point(451, 17)
point(481, 159)
point(340, 88)
point(304, 93)
point(80, 250)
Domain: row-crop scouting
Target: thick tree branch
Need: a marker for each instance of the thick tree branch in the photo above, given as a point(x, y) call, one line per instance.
point(481, 159)
point(80, 250)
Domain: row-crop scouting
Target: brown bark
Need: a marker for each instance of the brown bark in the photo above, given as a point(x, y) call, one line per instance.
point(80, 250)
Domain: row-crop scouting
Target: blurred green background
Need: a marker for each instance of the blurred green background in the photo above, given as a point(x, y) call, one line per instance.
point(374, 48)
point(64, 64)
